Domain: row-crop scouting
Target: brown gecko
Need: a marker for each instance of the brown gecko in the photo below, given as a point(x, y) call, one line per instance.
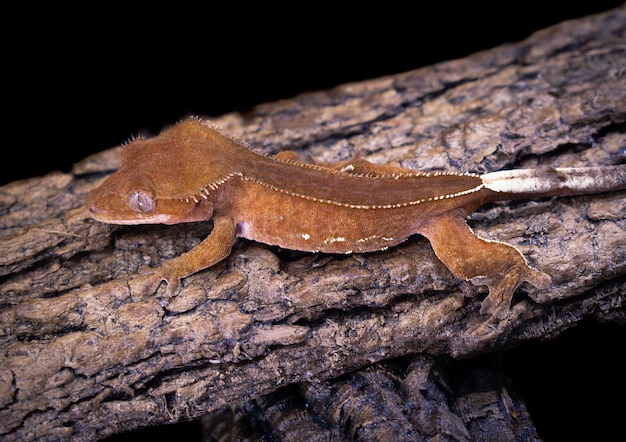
point(196, 172)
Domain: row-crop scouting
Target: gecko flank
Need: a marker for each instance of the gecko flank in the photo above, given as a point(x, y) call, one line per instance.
point(195, 172)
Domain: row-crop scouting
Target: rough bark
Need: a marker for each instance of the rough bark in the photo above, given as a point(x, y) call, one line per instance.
point(86, 355)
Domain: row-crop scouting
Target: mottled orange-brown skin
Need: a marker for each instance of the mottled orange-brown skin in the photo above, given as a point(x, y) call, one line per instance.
point(195, 172)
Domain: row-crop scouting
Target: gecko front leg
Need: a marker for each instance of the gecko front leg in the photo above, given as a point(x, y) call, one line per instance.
point(502, 268)
point(212, 250)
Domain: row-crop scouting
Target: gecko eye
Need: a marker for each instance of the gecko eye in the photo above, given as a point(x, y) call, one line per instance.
point(140, 201)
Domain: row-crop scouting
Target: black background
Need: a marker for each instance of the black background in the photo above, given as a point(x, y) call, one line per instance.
point(80, 81)
point(77, 82)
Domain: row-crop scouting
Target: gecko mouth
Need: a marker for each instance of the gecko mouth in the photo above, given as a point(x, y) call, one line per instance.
point(102, 214)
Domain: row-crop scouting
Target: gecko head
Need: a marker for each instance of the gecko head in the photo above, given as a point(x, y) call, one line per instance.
point(167, 179)
point(125, 200)
point(148, 188)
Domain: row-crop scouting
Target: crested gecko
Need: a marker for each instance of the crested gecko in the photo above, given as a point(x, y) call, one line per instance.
point(194, 171)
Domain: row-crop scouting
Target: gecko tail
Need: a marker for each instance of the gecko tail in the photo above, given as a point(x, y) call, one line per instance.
point(556, 181)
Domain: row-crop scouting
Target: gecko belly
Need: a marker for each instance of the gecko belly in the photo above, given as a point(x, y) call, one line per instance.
point(334, 229)
point(335, 225)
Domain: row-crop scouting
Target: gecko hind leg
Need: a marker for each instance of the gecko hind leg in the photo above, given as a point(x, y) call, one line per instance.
point(364, 167)
point(288, 156)
point(502, 268)
point(356, 166)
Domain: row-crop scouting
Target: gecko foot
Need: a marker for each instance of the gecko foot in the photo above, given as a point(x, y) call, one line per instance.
point(502, 287)
point(154, 278)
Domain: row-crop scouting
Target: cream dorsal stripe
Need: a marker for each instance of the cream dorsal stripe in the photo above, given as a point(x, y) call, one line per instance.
point(214, 186)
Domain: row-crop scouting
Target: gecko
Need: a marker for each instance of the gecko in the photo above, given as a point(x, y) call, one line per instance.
point(195, 171)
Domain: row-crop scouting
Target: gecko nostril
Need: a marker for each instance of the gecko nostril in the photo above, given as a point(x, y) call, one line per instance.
point(91, 206)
